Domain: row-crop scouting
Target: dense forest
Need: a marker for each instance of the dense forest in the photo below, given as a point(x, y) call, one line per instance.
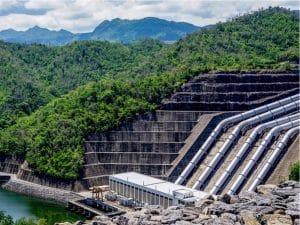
point(51, 98)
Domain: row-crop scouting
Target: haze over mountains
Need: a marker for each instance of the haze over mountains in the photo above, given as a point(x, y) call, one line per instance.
point(115, 30)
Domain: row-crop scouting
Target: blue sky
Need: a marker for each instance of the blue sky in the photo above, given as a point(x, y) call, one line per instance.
point(84, 15)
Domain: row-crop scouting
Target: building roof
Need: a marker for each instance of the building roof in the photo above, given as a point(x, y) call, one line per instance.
point(155, 184)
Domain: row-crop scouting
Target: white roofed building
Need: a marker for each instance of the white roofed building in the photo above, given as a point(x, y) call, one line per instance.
point(153, 191)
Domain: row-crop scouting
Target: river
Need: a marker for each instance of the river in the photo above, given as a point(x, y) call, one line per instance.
point(19, 206)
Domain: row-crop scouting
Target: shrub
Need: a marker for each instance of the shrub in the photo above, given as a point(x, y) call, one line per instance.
point(295, 171)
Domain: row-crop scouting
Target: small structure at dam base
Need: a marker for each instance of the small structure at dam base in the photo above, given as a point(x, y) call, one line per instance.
point(144, 189)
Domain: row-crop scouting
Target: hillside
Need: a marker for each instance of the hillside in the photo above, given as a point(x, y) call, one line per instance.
point(51, 137)
point(32, 75)
point(116, 30)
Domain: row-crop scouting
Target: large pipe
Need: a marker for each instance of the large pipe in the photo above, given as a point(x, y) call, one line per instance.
point(223, 126)
point(281, 146)
point(242, 152)
point(244, 174)
point(235, 133)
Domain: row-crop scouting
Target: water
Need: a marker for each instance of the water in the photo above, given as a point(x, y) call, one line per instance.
point(19, 206)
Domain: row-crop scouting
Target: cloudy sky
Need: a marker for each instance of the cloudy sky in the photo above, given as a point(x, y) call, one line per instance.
point(84, 15)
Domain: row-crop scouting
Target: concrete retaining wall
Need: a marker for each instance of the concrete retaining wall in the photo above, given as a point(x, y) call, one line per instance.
point(40, 191)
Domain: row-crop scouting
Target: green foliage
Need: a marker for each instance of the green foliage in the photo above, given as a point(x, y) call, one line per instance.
point(27, 221)
point(33, 75)
point(52, 98)
point(295, 172)
point(8, 220)
point(5, 219)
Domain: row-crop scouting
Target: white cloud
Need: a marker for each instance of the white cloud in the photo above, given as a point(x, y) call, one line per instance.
point(85, 15)
point(4, 4)
point(44, 4)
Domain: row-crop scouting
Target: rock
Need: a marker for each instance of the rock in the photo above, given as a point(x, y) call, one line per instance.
point(154, 209)
point(234, 199)
point(218, 221)
point(297, 222)
point(219, 207)
point(169, 212)
point(285, 193)
point(272, 205)
point(293, 213)
point(171, 216)
point(183, 223)
point(190, 211)
point(203, 203)
point(188, 217)
point(122, 220)
point(247, 196)
point(225, 198)
point(145, 211)
point(229, 216)
point(295, 198)
point(266, 188)
point(288, 183)
point(293, 206)
point(175, 207)
point(256, 210)
point(149, 223)
point(156, 218)
point(279, 211)
point(277, 219)
point(201, 218)
point(250, 220)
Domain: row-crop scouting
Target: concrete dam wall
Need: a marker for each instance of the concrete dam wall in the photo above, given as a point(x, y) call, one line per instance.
point(162, 143)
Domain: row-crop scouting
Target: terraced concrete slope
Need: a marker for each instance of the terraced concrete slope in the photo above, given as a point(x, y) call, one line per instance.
point(233, 92)
point(147, 145)
point(163, 142)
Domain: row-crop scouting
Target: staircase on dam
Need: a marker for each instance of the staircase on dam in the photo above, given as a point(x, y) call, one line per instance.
point(162, 143)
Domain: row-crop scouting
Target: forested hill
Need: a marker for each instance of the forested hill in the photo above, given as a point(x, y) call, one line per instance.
point(116, 82)
point(117, 30)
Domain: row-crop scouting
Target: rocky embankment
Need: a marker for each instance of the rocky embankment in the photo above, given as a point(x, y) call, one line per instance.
point(35, 190)
point(270, 205)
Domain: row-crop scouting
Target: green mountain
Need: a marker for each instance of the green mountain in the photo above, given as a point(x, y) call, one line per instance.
point(114, 30)
point(150, 27)
point(37, 35)
point(51, 98)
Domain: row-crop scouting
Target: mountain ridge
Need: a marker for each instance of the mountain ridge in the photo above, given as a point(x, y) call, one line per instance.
point(116, 30)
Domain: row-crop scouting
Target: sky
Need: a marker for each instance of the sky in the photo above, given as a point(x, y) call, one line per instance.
point(80, 16)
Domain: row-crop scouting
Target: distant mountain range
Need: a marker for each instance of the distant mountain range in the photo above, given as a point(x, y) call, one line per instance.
point(117, 30)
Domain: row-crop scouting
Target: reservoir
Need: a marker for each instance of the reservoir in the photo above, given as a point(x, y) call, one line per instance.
point(19, 206)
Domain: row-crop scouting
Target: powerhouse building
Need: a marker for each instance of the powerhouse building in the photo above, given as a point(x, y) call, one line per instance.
point(148, 190)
